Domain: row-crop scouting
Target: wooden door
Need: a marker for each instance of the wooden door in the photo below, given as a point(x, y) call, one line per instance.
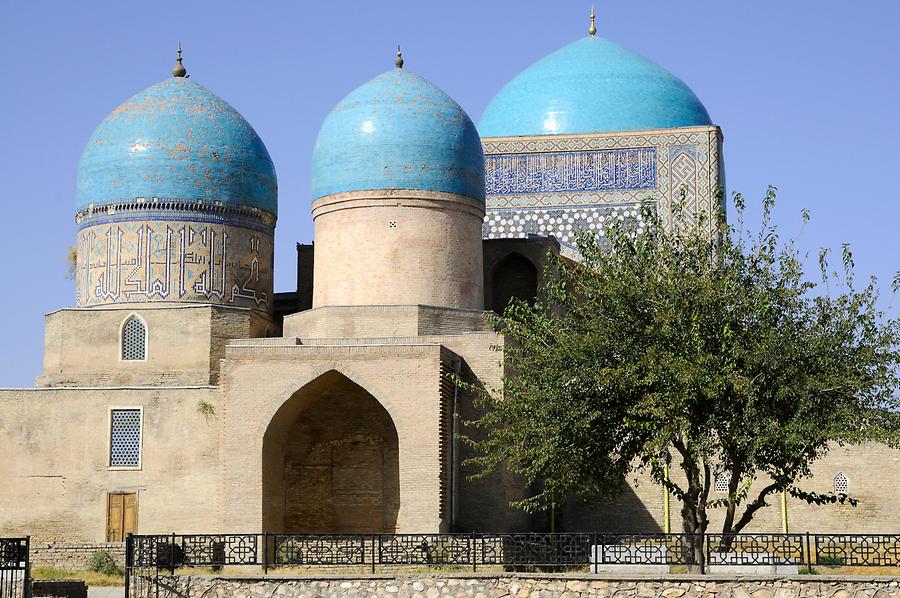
point(121, 516)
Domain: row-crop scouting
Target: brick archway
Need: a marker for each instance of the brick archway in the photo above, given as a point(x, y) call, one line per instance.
point(331, 461)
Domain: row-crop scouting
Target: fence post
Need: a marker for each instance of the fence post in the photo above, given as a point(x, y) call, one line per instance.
point(172, 555)
point(704, 553)
point(809, 555)
point(26, 581)
point(265, 553)
point(128, 542)
point(374, 538)
point(473, 554)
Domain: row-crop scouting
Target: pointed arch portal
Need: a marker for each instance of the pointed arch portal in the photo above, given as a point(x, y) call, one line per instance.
point(331, 462)
point(515, 276)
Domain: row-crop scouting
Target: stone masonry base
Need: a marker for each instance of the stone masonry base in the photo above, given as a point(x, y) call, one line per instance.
point(524, 586)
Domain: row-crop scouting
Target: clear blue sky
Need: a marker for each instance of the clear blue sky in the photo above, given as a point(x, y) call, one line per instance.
point(806, 91)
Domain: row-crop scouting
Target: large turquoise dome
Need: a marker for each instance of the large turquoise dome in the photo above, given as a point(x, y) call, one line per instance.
point(592, 85)
point(177, 141)
point(398, 131)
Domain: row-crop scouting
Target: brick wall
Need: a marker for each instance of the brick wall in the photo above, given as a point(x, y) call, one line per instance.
point(74, 555)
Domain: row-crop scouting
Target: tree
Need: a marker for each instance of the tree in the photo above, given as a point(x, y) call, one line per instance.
point(703, 346)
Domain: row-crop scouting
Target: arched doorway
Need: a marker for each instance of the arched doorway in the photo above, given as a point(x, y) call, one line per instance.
point(515, 276)
point(331, 462)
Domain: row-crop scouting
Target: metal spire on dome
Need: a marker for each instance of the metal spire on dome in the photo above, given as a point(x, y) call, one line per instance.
point(178, 70)
point(593, 28)
point(399, 60)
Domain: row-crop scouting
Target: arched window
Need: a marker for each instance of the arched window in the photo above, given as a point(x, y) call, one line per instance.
point(134, 339)
point(721, 484)
point(841, 484)
point(515, 276)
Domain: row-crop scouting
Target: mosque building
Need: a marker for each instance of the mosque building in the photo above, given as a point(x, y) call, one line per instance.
point(181, 393)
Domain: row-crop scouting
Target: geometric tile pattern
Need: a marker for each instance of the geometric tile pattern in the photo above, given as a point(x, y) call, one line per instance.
point(721, 484)
point(563, 223)
point(537, 190)
point(841, 484)
point(125, 438)
point(134, 340)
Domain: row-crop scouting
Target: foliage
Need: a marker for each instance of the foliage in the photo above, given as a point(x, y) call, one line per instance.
point(102, 562)
point(71, 262)
point(702, 345)
point(830, 561)
point(91, 578)
point(205, 408)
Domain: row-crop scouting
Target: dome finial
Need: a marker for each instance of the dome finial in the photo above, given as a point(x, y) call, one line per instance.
point(399, 60)
point(592, 29)
point(178, 70)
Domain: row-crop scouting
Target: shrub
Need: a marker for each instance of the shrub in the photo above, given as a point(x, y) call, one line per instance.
point(102, 562)
point(830, 561)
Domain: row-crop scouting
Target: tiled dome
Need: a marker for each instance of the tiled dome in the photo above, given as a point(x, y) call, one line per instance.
point(592, 85)
point(398, 131)
point(177, 141)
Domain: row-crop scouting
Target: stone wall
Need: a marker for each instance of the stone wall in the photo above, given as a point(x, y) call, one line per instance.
point(526, 586)
point(74, 555)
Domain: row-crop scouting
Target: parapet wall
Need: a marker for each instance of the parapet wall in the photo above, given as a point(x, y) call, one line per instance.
point(522, 586)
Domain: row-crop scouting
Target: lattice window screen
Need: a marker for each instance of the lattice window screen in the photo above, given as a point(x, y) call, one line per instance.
point(134, 340)
point(721, 484)
point(841, 484)
point(125, 438)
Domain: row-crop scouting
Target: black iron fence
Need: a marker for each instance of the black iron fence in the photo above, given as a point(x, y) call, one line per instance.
point(516, 550)
point(15, 573)
point(150, 559)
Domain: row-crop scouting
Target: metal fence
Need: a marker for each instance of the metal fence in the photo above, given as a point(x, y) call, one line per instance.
point(15, 573)
point(471, 551)
point(150, 559)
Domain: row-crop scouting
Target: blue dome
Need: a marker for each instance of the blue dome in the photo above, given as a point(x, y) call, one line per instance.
point(177, 140)
point(590, 86)
point(398, 131)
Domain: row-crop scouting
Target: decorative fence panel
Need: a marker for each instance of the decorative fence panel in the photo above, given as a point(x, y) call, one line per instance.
point(15, 573)
point(755, 549)
point(150, 558)
point(858, 550)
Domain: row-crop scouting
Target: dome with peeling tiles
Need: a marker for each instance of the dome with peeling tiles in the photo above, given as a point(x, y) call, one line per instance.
point(177, 142)
point(398, 131)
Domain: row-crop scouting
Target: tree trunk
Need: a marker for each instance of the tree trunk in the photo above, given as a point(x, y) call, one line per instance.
point(693, 510)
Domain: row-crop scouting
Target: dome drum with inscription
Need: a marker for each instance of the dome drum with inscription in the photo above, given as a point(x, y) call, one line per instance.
point(176, 202)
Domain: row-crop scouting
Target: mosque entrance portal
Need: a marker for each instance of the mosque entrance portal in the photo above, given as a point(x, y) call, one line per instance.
point(331, 462)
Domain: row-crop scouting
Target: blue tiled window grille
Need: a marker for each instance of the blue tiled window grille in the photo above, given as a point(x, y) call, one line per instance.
point(134, 340)
point(125, 438)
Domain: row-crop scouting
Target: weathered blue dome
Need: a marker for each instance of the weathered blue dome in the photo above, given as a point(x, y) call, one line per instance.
point(177, 140)
point(592, 85)
point(398, 131)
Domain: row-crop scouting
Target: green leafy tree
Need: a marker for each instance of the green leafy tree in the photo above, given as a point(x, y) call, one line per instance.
point(702, 347)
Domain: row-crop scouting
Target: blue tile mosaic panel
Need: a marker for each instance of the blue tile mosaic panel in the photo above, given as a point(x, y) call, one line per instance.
point(562, 223)
point(560, 172)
